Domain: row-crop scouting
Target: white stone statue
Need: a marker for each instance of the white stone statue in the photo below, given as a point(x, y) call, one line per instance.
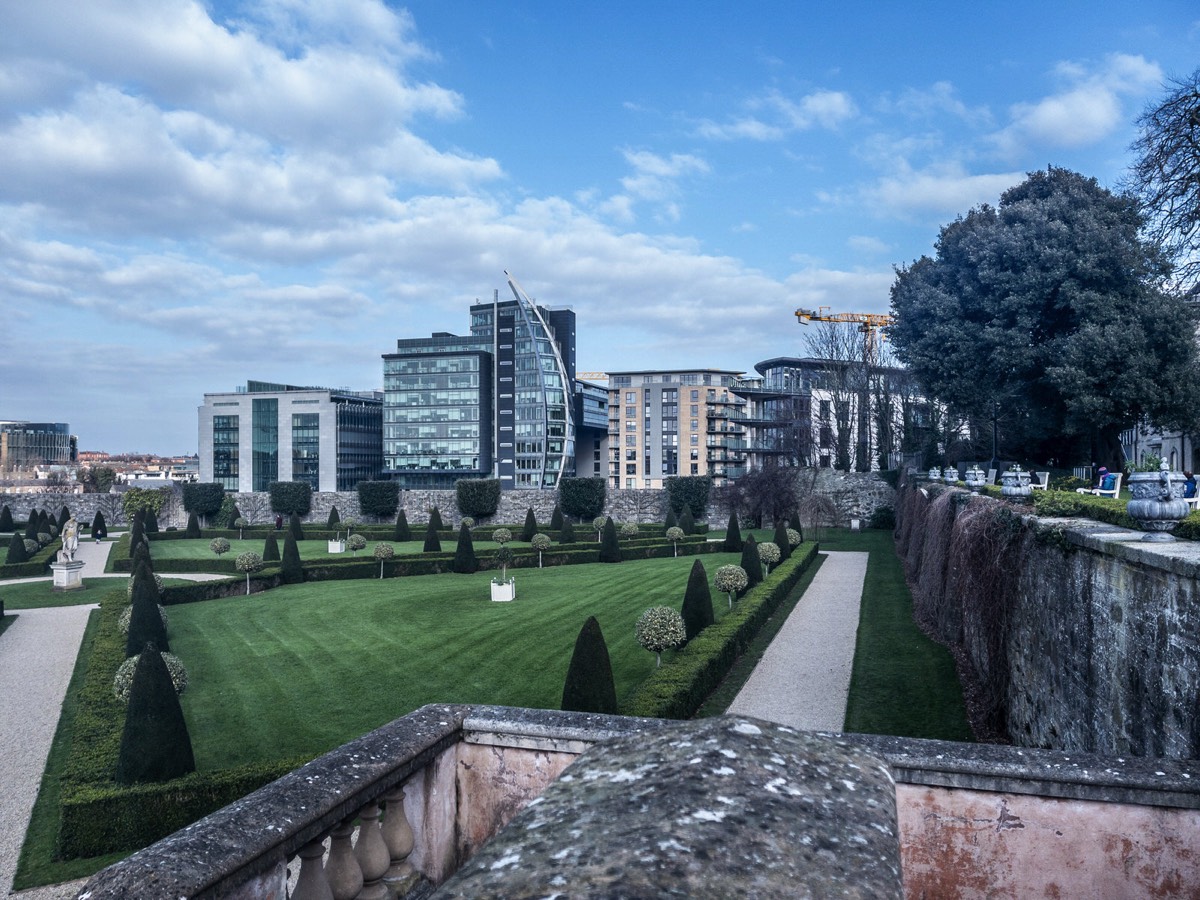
point(70, 540)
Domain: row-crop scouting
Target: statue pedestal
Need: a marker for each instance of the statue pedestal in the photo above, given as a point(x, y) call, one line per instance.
point(68, 576)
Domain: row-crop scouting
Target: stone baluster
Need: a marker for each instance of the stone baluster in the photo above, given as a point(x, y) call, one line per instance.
point(398, 836)
point(311, 883)
point(372, 854)
point(342, 870)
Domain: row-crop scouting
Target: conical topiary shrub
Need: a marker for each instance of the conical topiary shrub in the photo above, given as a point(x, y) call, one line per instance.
point(733, 535)
point(670, 522)
point(401, 532)
point(531, 526)
point(6, 520)
point(32, 524)
point(99, 526)
point(64, 514)
point(193, 526)
point(291, 570)
point(556, 519)
point(145, 622)
point(610, 543)
point(435, 519)
point(697, 609)
point(155, 744)
point(751, 562)
point(270, 548)
point(16, 550)
point(334, 519)
point(136, 532)
point(589, 683)
point(151, 522)
point(687, 521)
point(433, 543)
point(566, 534)
point(781, 540)
point(464, 554)
point(294, 527)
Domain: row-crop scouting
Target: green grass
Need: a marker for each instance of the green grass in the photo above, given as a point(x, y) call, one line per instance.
point(39, 594)
point(903, 683)
point(302, 669)
point(37, 864)
point(309, 550)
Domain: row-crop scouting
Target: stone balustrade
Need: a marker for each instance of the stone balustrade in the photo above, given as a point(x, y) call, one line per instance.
point(963, 818)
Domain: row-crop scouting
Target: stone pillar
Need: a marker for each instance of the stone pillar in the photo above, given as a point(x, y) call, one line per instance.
point(721, 807)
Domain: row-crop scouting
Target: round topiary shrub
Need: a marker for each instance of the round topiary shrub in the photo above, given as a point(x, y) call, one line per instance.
point(540, 543)
point(769, 554)
point(659, 628)
point(502, 536)
point(218, 545)
point(356, 542)
point(629, 529)
point(884, 517)
point(127, 614)
point(123, 680)
point(794, 537)
point(468, 521)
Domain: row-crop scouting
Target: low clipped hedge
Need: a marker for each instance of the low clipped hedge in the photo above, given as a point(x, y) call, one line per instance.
point(678, 688)
point(100, 816)
point(36, 565)
point(1088, 506)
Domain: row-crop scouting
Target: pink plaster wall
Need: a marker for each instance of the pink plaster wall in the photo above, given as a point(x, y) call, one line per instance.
point(976, 844)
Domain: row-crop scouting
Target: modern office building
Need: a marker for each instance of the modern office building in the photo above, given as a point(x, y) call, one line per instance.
point(266, 432)
point(674, 422)
point(495, 403)
point(27, 444)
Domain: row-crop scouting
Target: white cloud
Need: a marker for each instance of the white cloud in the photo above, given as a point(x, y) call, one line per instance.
point(940, 98)
point(774, 116)
point(941, 190)
point(1089, 107)
point(654, 180)
point(865, 245)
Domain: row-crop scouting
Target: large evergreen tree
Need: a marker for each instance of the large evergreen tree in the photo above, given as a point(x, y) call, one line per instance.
point(697, 609)
point(464, 554)
point(589, 685)
point(155, 745)
point(1045, 315)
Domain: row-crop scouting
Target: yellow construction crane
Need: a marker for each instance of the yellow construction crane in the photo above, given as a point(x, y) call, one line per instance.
point(592, 376)
point(869, 324)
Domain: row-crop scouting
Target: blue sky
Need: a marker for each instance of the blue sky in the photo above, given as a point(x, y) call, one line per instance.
point(197, 194)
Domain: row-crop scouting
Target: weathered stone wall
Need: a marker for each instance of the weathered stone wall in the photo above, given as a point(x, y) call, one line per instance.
point(1070, 634)
point(852, 495)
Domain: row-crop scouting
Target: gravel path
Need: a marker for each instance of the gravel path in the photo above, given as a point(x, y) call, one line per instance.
point(803, 680)
point(37, 655)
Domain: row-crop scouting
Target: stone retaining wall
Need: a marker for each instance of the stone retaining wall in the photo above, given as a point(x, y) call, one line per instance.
point(851, 495)
point(1070, 634)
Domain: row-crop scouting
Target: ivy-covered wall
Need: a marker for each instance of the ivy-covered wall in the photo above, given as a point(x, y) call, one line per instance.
point(1069, 634)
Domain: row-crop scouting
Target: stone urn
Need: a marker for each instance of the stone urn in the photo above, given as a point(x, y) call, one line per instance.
point(1157, 503)
point(975, 479)
point(935, 474)
point(950, 475)
point(1015, 484)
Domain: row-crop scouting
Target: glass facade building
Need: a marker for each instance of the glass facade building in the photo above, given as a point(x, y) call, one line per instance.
point(330, 439)
point(497, 402)
point(28, 444)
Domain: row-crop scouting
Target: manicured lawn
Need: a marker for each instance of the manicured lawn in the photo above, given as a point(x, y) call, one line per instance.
point(302, 669)
point(903, 683)
point(198, 548)
point(39, 594)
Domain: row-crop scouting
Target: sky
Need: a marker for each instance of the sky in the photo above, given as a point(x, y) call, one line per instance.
point(196, 194)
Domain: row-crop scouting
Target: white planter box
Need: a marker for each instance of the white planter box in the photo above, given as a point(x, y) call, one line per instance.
point(337, 546)
point(504, 591)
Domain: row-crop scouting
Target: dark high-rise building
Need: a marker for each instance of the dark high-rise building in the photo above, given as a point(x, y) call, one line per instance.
point(495, 403)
